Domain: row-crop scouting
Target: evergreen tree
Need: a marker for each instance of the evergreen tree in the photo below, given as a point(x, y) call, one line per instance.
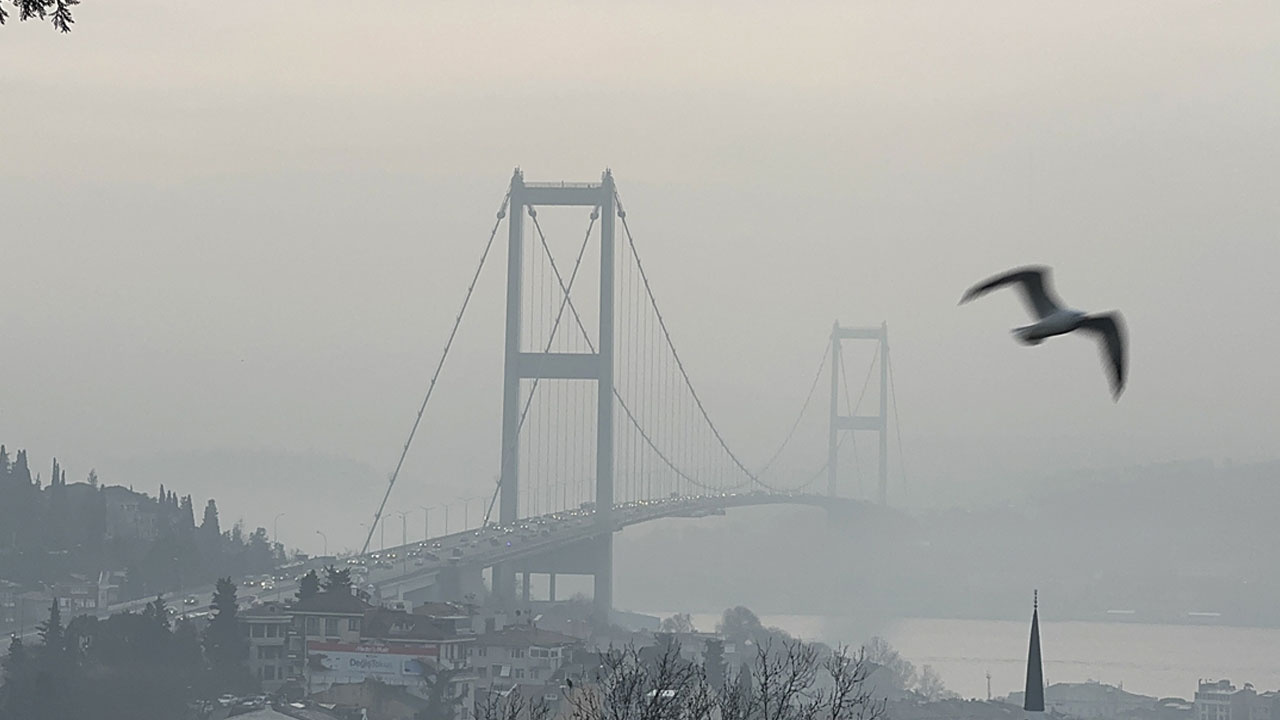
point(309, 585)
point(93, 478)
point(186, 514)
point(224, 645)
point(15, 663)
point(51, 633)
point(209, 526)
point(17, 699)
point(337, 581)
point(21, 471)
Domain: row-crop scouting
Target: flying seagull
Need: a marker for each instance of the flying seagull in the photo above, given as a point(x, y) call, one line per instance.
point(1054, 318)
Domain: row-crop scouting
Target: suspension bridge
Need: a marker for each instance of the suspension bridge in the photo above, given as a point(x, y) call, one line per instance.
point(602, 425)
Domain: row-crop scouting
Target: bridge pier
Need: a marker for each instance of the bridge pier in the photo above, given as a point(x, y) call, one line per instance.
point(602, 600)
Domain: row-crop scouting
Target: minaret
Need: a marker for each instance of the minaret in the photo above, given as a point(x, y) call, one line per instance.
point(1034, 696)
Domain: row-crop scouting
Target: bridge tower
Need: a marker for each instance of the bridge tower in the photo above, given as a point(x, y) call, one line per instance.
point(878, 423)
point(597, 366)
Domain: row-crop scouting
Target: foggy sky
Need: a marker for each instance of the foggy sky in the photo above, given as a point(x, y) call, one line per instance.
point(241, 229)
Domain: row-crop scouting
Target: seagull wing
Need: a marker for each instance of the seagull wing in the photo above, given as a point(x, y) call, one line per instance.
point(1036, 286)
point(1110, 329)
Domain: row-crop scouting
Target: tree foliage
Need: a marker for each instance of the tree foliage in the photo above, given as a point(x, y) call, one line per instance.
point(225, 647)
point(59, 529)
point(308, 586)
point(57, 12)
point(678, 623)
point(337, 581)
point(130, 665)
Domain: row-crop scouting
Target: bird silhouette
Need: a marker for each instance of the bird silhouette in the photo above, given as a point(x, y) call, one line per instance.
point(1054, 318)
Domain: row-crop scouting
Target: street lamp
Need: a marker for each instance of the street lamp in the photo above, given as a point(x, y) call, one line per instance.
point(326, 542)
point(466, 504)
point(275, 530)
point(404, 542)
point(426, 528)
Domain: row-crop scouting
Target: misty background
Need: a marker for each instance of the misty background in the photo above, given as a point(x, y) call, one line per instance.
point(231, 254)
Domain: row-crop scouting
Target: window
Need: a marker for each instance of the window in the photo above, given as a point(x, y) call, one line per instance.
point(518, 673)
point(313, 626)
point(353, 624)
point(331, 626)
point(273, 631)
point(533, 673)
point(258, 631)
point(482, 651)
point(517, 653)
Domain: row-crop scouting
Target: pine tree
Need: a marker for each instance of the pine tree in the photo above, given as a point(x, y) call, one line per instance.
point(17, 696)
point(337, 581)
point(21, 471)
point(309, 585)
point(224, 646)
point(15, 662)
point(186, 514)
point(51, 632)
point(93, 478)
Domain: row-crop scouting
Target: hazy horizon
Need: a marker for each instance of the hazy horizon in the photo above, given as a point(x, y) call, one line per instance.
point(252, 232)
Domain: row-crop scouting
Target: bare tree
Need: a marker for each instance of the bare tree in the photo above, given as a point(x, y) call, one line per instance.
point(787, 682)
point(850, 696)
point(629, 686)
point(511, 706)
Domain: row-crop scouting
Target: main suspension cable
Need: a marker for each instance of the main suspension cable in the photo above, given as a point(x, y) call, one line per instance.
point(466, 300)
point(803, 408)
point(622, 214)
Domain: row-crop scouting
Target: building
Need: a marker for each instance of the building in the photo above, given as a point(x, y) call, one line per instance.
point(275, 648)
point(1091, 700)
point(130, 514)
point(348, 643)
point(109, 584)
point(77, 595)
point(330, 617)
point(521, 656)
point(9, 594)
point(1220, 700)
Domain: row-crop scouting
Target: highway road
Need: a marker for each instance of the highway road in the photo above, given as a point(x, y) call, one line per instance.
point(483, 546)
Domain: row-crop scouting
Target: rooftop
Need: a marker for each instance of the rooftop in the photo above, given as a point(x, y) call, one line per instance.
point(525, 636)
point(442, 610)
point(270, 610)
point(330, 603)
point(385, 624)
